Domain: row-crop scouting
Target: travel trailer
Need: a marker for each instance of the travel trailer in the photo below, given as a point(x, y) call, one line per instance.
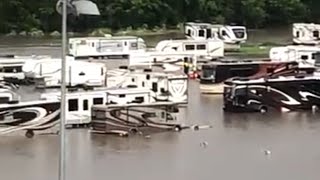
point(165, 86)
point(11, 67)
point(214, 74)
point(209, 49)
point(136, 118)
point(43, 115)
point(105, 47)
point(304, 55)
point(307, 34)
point(79, 102)
point(47, 74)
point(230, 35)
point(290, 93)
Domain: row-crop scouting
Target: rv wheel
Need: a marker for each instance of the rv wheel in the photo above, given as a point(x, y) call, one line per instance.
point(263, 109)
point(29, 134)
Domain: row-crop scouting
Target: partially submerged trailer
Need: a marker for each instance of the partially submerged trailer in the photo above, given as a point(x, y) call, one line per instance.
point(306, 33)
point(105, 47)
point(304, 55)
point(142, 119)
point(231, 35)
point(210, 49)
point(165, 86)
point(78, 73)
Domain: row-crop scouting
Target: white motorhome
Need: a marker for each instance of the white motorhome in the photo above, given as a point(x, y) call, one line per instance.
point(304, 55)
point(78, 73)
point(165, 86)
point(227, 33)
point(79, 103)
point(308, 34)
point(211, 49)
point(100, 47)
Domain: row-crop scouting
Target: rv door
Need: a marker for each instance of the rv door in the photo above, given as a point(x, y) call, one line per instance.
point(209, 33)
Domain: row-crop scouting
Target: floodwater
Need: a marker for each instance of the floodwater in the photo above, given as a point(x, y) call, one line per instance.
point(235, 149)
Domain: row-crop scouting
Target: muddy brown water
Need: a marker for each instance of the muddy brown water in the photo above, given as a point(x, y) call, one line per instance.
point(235, 147)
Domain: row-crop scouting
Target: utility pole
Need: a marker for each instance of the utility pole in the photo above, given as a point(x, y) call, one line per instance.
point(62, 159)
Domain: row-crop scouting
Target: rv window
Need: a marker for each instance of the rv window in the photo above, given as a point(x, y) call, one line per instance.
point(143, 84)
point(224, 33)
point(125, 43)
point(313, 56)
point(13, 69)
point(201, 33)
point(189, 47)
point(304, 57)
point(73, 105)
point(132, 79)
point(83, 42)
point(201, 47)
point(148, 76)
point(97, 101)
point(70, 46)
point(85, 105)
point(134, 44)
point(298, 34)
point(155, 87)
point(4, 99)
point(122, 95)
point(189, 32)
point(102, 71)
point(92, 44)
point(316, 34)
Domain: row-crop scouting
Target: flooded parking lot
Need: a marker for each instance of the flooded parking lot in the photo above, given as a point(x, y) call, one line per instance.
point(238, 146)
point(234, 148)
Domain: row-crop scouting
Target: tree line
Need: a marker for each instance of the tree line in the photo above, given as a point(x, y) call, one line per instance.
point(25, 15)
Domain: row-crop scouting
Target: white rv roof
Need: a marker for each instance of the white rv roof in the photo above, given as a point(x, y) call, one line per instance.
point(301, 47)
point(103, 38)
point(112, 90)
point(102, 107)
point(191, 40)
point(278, 79)
point(305, 24)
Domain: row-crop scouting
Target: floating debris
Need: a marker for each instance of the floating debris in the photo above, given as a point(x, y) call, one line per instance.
point(147, 136)
point(267, 152)
point(204, 144)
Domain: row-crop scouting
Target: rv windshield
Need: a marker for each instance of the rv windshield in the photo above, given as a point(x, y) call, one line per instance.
point(239, 32)
point(208, 72)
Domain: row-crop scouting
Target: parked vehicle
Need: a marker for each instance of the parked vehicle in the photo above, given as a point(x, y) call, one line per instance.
point(306, 33)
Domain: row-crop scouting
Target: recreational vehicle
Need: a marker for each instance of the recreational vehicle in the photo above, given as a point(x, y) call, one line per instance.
point(78, 73)
point(212, 49)
point(290, 93)
point(214, 74)
point(230, 35)
point(43, 115)
point(100, 47)
point(11, 67)
point(308, 34)
point(164, 86)
point(79, 102)
point(304, 55)
point(136, 118)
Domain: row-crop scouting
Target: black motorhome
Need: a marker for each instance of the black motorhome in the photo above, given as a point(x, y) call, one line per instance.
point(290, 93)
point(215, 73)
